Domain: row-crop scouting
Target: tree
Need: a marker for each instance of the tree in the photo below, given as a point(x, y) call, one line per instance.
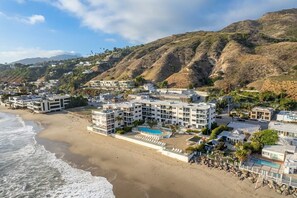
point(265, 137)
point(288, 104)
point(137, 123)
point(77, 102)
point(152, 123)
point(214, 125)
point(256, 147)
point(191, 86)
point(163, 84)
point(139, 80)
point(205, 131)
point(118, 118)
point(200, 148)
point(215, 132)
point(242, 152)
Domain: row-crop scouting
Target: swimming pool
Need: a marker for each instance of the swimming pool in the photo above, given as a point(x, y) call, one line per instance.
point(151, 131)
point(265, 163)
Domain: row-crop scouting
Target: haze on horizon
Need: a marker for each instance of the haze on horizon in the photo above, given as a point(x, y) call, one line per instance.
point(44, 28)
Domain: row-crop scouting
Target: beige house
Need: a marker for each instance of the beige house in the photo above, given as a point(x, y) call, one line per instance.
point(261, 113)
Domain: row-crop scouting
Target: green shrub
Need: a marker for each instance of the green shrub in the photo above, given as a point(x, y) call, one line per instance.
point(214, 125)
point(193, 131)
point(265, 137)
point(217, 131)
point(127, 129)
point(120, 131)
point(205, 131)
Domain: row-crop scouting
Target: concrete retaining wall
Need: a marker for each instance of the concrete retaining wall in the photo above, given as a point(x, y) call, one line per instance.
point(153, 146)
point(160, 149)
point(177, 156)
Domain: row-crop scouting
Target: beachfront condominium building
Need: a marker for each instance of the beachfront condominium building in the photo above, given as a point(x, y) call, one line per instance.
point(261, 113)
point(287, 116)
point(112, 84)
point(286, 131)
point(124, 114)
point(49, 104)
point(103, 121)
point(192, 115)
point(22, 101)
point(117, 115)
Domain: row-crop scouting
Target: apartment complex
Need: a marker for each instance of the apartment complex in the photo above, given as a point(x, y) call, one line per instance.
point(116, 115)
point(49, 104)
point(261, 113)
point(112, 84)
point(22, 101)
point(196, 115)
point(113, 116)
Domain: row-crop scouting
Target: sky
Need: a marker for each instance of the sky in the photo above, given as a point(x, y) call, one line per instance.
point(44, 28)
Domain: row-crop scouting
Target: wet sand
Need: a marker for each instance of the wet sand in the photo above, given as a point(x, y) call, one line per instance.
point(134, 170)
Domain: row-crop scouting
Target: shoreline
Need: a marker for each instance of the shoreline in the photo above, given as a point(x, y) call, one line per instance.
point(133, 170)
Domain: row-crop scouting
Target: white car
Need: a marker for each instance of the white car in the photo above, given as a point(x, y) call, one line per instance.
point(260, 120)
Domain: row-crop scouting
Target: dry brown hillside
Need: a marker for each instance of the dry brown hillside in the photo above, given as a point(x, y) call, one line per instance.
point(235, 56)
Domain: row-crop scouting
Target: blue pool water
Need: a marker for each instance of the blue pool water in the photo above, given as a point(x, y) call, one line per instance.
point(265, 163)
point(151, 131)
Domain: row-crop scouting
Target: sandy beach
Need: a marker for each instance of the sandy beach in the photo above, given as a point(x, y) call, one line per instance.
point(133, 170)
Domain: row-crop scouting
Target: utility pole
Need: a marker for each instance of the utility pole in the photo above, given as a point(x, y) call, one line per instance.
point(228, 105)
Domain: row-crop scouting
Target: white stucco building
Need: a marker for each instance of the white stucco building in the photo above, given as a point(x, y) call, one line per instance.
point(49, 104)
point(277, 152)
point(287, 116)
point(23, 101)
point(113, 116)
point(286, 131)
point(124, 114)
point(112, 84)
point(192, 115)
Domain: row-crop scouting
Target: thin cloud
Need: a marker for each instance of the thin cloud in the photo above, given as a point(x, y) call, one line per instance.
point(111, 40)
point(31, 20)
point(147, 20)
point(34, 19)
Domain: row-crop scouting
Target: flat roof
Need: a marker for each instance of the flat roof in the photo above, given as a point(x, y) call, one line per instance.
point(287, 113)
point(245, 127)
point(122, 104)
point(291, 157)
point(177, 104)
point(279, 148)
point(281, 126)
point(263, 109)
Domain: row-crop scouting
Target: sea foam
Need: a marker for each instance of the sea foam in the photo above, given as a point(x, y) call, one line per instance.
point(27, 169)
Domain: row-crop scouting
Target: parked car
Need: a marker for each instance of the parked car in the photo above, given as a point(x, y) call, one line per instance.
point(260, 120)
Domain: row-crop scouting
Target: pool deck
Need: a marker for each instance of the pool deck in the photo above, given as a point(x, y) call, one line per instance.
point(254, 165)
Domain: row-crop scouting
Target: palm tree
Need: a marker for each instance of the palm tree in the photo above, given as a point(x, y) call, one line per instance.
point(118, 119)
point(241, 153)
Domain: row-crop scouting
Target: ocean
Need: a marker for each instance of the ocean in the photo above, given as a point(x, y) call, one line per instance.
point(28, 170)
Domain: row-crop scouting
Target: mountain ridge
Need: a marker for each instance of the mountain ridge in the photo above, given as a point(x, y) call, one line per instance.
point(234, 56)
point(35, 60)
